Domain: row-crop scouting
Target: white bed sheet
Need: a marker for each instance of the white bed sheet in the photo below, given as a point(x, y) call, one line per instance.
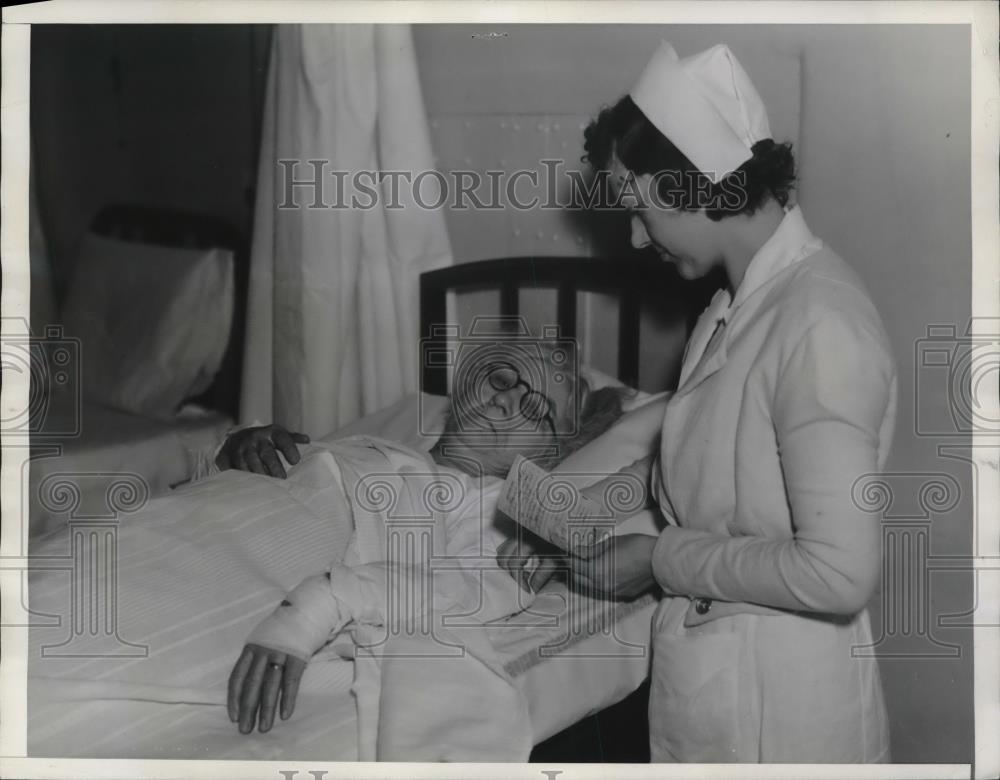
point(92, 696)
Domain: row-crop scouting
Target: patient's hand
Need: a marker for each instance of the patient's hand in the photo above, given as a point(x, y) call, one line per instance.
point(517, 554)
point(256, 450)
point(256, 680)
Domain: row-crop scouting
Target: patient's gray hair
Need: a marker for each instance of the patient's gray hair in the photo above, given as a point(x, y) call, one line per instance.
point(600, 410)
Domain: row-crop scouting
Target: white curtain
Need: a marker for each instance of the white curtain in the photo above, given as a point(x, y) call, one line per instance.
point(332, 313)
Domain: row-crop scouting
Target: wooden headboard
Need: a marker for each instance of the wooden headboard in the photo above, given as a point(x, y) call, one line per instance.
point(639, 281)
point(190, 230)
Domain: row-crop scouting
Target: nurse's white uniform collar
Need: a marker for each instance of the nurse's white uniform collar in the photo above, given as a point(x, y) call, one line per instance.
point(791, 241)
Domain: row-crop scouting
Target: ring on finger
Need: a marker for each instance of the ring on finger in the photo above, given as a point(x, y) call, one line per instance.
point(274, 666)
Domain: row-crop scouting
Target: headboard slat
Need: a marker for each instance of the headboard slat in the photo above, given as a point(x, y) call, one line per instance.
point(639, 281)
point(509, 300)
point(566, 310)
point(628, 337)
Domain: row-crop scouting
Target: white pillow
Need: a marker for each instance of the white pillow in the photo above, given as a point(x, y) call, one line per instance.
point(153, 322)
point(416, 421)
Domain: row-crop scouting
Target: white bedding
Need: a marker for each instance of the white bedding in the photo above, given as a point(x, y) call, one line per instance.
point(250, 539)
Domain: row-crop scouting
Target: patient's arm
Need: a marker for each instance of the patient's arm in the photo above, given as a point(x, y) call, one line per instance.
point(277, 651)
point(466, 581)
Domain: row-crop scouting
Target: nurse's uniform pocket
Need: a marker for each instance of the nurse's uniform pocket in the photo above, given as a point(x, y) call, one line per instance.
point(694, 713)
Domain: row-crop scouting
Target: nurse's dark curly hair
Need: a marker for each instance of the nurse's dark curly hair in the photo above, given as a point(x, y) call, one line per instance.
point(623, 130)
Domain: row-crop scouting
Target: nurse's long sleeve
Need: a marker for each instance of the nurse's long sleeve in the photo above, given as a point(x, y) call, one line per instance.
point(829, 403)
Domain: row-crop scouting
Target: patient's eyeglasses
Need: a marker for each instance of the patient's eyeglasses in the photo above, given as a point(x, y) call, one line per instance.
point(533, 405)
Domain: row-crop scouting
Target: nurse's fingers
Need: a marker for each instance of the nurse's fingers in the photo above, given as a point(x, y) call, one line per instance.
point(587, 575)
point(582, 583)
point(591, 552)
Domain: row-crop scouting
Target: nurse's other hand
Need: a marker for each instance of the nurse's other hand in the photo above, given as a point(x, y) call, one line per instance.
point(257, 679)
point(256, 450)
point(530, 561)
point(619, 566)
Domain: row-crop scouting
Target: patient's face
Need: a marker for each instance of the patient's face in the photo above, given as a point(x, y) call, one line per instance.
point(509, 407)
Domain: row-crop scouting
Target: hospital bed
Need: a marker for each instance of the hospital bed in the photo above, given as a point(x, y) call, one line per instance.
point(146, 679)
point(82, 441)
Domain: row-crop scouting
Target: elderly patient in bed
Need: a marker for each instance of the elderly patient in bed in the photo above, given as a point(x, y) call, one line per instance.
point(529, 406)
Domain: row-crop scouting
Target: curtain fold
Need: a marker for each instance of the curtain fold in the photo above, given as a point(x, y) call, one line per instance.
point(332, 310)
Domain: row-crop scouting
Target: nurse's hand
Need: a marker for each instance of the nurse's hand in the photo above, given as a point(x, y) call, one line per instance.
point(619, 566)
point(530, 561)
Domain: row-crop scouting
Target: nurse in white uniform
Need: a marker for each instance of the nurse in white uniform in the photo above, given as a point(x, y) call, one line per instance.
point(786, 399)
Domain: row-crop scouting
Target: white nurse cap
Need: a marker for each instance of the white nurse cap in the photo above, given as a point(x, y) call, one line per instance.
point(705, 105)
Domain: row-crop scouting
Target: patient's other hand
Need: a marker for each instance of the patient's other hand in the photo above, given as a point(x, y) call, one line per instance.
point(254, 685)
point(256, 450)
point(518, 554)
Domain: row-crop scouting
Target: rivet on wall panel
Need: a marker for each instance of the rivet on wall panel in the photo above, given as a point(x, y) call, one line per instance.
point(467, 161)
point(503, 164)
point(503, 125)
point(540, 233)
point(543, 128)
point(579, 239)
point(556, 127)
point(583, 126)
point(516, 126)
point(517, 231)
point(555, 236)
point(467, 124)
